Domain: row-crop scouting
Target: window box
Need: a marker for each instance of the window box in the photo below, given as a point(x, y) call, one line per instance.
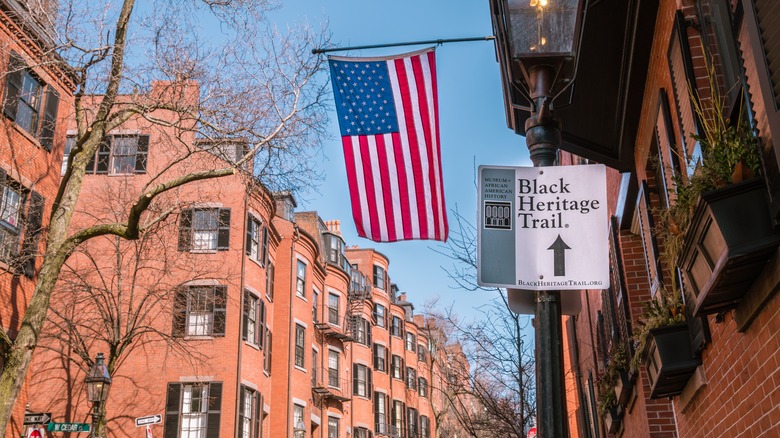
point(669, 360)
point(729, 242)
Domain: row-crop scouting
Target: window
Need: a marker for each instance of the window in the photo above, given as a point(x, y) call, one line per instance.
point(380, 357)
point(204, 229)
point(300, 336)
point(411, 341)
point(200, 311)
point(397, 326)
point(70, 142)
point(362, 331)
point(256, 240)
point(299, 426)
point(333, 369)
point(411, 378)
point(192, 410)
point(379, 277)
point(397, 418)
point(300, 281)
point(333, 427)
point(422, 353)
point(269, 280)
point(251, 321)
point(380, 413)
point(361, 380)
point(333, 309)
point(380, 315)
point(412, 418)
point(425, 427)
point(361, 432)
point(314, 367)
point(397, 367)
point(11, 204)
point(249, 413)
point(422, 387)
point(24, 94)
point(120, 155)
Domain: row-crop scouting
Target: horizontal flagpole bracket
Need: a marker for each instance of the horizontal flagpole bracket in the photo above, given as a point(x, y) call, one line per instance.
point(410, 43)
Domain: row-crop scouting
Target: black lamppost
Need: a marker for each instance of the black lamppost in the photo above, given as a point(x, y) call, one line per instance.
point(538, 41)
point(98, 384)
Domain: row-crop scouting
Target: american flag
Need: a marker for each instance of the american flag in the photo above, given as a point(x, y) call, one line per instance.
point(388, 115)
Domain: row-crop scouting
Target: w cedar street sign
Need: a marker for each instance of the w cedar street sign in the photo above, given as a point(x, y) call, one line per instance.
point(543, 228)
point(68, 427)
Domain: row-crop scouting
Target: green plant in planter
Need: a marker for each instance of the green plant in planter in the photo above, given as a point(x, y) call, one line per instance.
point(617, 363)
point(666, 309)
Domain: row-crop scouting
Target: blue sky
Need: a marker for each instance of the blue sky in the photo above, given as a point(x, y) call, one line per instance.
point(472, 121)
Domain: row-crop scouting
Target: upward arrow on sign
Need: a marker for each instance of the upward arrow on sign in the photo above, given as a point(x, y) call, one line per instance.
point(559, 258)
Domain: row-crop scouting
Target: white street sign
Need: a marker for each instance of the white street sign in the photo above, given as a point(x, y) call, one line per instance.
point(543, 228)
point(149, 419)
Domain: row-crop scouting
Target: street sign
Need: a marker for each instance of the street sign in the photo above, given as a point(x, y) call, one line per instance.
point(41, 418)
point(149, 419)
point(543, 228)
point(35, 432)
point(68, 427)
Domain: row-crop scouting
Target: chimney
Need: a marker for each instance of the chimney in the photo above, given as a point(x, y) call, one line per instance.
point(334, 226)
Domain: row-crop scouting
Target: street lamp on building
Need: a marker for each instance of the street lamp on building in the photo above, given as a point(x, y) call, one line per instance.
point(98, 383)
point(538, 42)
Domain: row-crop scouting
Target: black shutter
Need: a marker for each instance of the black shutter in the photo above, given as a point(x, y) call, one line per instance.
point(32, 234)
point(368, 331)
point(49, 118)
point(220, 298)
point(260, 331)
point(269, 286)
point(215, 402)
point(248, 244)
point(259, 415)
point(13, 85)
point(369, 383)
point(241, 409)
point(355, 378)
point(268, 344)
point(171, 427)
point(142, 154)
point(376, 356)
point(179, 311)
point(264, 253)
point(223, 236)
point(185, 230)
point(245, 317)
point(103, 155)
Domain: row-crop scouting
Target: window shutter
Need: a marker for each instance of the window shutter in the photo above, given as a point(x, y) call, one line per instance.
point(767, 13)
point(171, 427)
point(376, 356)
point(241, 407)
point(179, 311)
point(257, 424)
point(355, 378)
point(223, 238)
point(264, 253)
point(220, 298)
point(215, 402)
point(248, 243)
point(368, 331)
point(269, 284)
point(142, 154)
point(268, 344)
point(261, 323)
point(103, 155)
point(369, 383)
point(245, 317)
point(30, 243)
point(13, 85)
point(185, 230)
point(49, 118)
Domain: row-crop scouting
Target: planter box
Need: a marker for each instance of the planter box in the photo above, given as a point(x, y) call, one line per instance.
point(729, 242)
point(612, 420)
point(669, 360)
point(623, 388)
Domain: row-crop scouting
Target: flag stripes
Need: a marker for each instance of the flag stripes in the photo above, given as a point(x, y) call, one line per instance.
point(394, 175)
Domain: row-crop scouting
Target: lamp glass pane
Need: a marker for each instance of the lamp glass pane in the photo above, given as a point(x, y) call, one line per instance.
point(542, 26)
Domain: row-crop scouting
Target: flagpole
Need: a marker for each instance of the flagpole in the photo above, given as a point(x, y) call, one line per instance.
point(411, 43)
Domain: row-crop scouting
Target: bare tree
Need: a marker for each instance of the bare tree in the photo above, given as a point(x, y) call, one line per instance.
point(501, 373)
point(229, 78)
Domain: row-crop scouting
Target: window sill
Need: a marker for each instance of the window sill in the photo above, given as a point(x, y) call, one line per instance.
point(199, 337)
point(302, 297)
point(253, 345)
point(257, 262)
point(27, 135)
point(301, 369)
point(203, 251)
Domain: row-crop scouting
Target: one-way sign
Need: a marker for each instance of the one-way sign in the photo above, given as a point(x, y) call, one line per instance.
point(40, 418)
point(149, 419)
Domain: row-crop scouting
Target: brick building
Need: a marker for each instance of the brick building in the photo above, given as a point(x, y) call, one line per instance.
point(653, 76)
point(36, 94)
point(233, 315)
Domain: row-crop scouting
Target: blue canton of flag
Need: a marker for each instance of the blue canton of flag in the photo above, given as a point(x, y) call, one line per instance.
point(364, 98)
